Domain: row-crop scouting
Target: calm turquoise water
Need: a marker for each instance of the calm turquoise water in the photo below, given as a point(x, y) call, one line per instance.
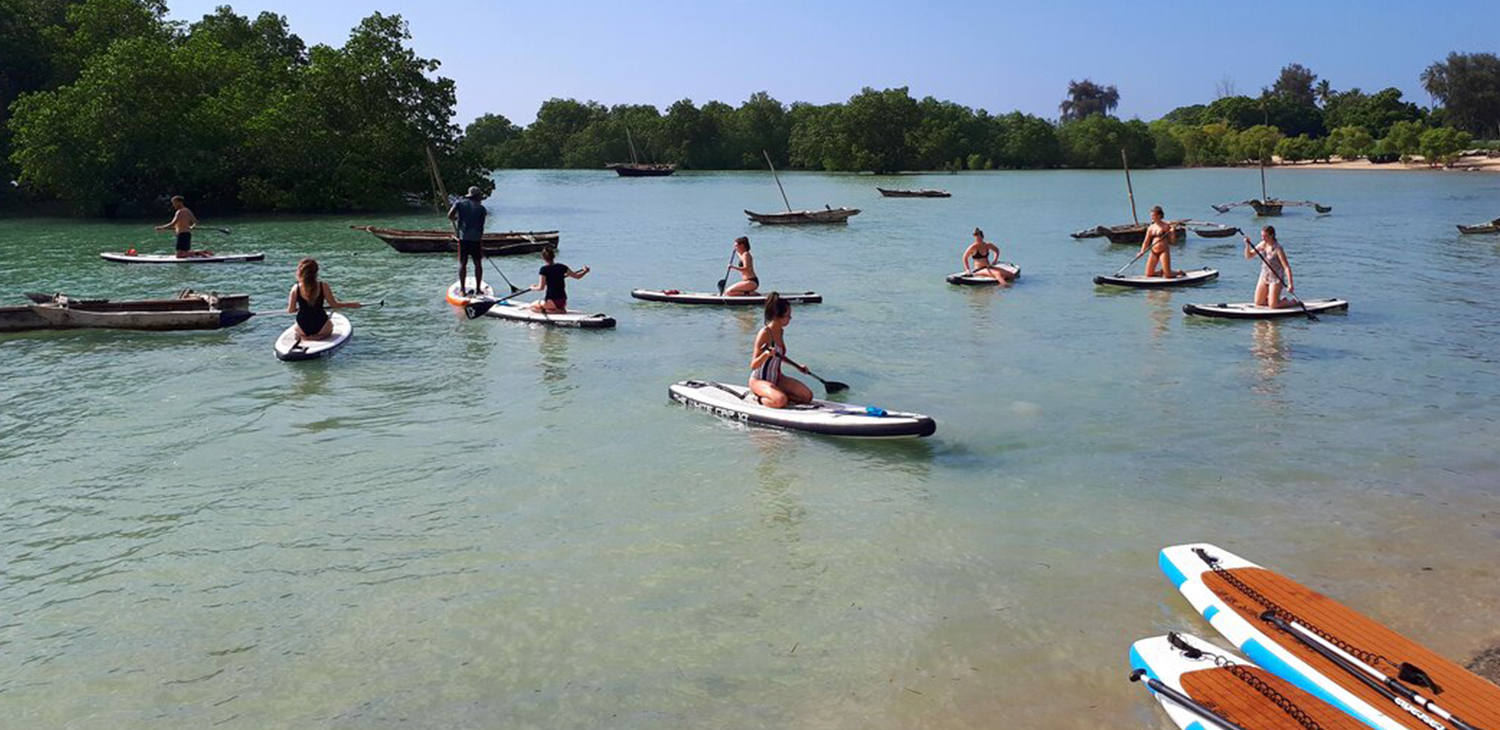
point(483, 524)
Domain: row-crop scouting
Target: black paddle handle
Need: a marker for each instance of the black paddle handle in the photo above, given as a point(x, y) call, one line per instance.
point(1185, 701)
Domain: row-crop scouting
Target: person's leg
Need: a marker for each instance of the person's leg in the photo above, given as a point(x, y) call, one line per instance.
point(1166, 264)
point(1275, 296)
point(478, 254)
point(795, 390)
point(1261, 293)
point(463, 271)
point(770, 396)
point(1151, 260)
point(740, 289)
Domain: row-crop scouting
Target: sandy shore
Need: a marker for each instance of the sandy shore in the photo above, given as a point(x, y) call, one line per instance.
point(1473, 163)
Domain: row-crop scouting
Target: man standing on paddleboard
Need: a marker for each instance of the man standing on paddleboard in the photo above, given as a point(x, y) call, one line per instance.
point(183, 222)
point(468, 216)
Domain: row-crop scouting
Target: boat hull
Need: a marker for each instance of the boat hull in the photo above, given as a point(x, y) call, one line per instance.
point(151, 315)
point(801, 217)
point(914, 193)
point(507, 243)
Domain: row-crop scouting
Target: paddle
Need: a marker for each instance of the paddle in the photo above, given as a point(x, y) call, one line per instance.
point(1183, 700)
point(727, 269)
point(832, 386)
point(475, 310)
point(340, 305)
point(1132, 262)
point(1295, 298)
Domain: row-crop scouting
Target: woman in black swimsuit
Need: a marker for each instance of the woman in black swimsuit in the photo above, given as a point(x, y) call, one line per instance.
point(308, 299)
point(749, 282)
point(553, 278)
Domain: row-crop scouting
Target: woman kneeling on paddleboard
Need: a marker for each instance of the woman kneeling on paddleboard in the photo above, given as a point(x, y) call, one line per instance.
point(769, 353)
point(980, 259)
point(748, 282)
point(1274, 269)
point(308, 299)
point(554, 278)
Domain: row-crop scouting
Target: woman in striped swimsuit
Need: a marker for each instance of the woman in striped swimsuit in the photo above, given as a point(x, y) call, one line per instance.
point(766, 381)
point(1274, 269)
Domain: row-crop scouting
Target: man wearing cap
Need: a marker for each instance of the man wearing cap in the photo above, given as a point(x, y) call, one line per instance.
point(468, 216)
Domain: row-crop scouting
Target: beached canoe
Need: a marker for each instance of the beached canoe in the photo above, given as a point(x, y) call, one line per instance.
point(923, 193)
point(793, 217)
point(1007, 269)
point(674, 296)
point(188, 311)
point(820, 416)
point(148, 258)
point(499, 243)
point(1200, 686)
point(288, 347)
point(1247, 310)
point(1191, 277)
point(1327, 648)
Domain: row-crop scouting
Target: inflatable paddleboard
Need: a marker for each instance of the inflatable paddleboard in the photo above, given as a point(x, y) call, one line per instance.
point(288, 348)
point(1247, 310)
point(458, 299)
point(1326, 648)
point(820, 416)
point(1188, 278)
point(1205, 685)
point(682, 297)
point(1007, 269)
point(522, 312)
point(150, 258)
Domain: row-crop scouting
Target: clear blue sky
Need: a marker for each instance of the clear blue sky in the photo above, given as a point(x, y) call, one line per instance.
point(508, 57)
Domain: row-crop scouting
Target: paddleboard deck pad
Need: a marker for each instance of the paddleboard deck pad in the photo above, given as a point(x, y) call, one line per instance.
point(1247, 310)
point(1191, 277)
point(1277, 623)
point(1225, 686)
point(683, 297)
point(734, 402)
point(149, 258)
point(457, 298)
point(1007, 269)
point(288, 348)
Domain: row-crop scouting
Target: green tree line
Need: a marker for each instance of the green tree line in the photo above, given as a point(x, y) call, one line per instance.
point(110, 108)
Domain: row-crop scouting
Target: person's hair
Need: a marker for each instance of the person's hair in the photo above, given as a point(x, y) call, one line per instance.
point(307, 277)
point(1157, 210)
point(548, 254)
point(776, 307)
point(1270, 231)
point(743, 241)
point(178, 199)
point(978, 233)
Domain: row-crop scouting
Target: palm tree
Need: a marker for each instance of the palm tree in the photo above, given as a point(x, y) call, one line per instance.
point(1324, 92)
point(1085, 98)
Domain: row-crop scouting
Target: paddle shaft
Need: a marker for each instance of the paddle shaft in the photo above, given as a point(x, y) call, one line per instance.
point(1288, 289)
point(1185, 701)
point(1132, 262)
point(830, 386)
point(724, 281)
point(340, 305)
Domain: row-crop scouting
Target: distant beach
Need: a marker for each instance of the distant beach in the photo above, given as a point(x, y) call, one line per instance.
point(1467, 163)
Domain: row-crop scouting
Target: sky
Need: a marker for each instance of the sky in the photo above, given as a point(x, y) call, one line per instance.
point(509, 57)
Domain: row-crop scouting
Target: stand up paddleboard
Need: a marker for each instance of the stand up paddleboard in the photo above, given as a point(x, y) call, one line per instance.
point(1188, 278)
point(1323, 647)
point(457, 298)
point(288, 348)
point(150, 258)
point(735, 403)
point(1203, 687)
point(1007, 269)
point(674, 296)
point(522, 312)
point(1247, 310)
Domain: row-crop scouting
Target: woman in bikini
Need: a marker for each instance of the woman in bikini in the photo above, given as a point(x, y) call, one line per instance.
point(1160, 236)
point(768, 355)
point(981, 258)
point(1274, 269)
point(310, 299)
point(749, 282)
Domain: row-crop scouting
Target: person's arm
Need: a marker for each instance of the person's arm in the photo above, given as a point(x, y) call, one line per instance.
point(291, 300)
point(453, 212)
point(1171, 233)
point(333, 301)
point(169, 223)
point(1146, 241)
point(579, 274)
point(1249, 248)
point(1286, 266)
point(192, 220)
point(541, 283)
point(966, 258)
point(762, 350)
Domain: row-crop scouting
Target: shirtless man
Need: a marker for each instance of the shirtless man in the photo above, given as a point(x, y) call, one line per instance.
point(1160, 236)
point(183, 222)
point(748, 282)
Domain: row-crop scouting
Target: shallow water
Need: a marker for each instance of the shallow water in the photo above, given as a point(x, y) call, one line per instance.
point(485, 524)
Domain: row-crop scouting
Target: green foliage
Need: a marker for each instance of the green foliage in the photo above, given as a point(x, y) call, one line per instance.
point(486, 137)
point(1168, 147)
point(1255, 144)
point(1375, 112)
point(1405, 139)
point(1297, 149)
point(1095, 142)
point(1351, 143)
point(1468, 85)
point(1443, 145)
point(1295, 84)
point(1086, 99)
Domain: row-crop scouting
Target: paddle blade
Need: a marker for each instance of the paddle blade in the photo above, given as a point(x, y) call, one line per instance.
point(475, 310)
point(722, 283)
point(834, 386)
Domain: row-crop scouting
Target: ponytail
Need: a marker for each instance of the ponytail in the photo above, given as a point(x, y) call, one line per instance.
point(307, 278)
point(776, 307)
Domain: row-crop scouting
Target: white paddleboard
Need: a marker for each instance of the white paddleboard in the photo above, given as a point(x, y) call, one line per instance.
point(150, 258)
point(522, 312)
point(820, 416)
point(683, 297)
point(1247, 310)
point(1188, 278)
point(457, 298)
point(1009, 270)
point(289, 348)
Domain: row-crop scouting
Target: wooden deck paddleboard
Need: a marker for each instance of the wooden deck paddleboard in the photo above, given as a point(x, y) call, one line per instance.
point(1239, 599)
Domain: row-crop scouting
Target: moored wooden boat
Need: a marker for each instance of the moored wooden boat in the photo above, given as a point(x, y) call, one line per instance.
point(828, 215)
point(1491, 227)
point(188, 311)
point(923, 193)
point(641, 169)
point(1133, 232)
point(1210, 229)
point(500, 243)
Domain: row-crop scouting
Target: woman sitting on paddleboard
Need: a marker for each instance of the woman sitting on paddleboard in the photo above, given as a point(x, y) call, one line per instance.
point(980, 258)
point(554, 278)
point(768, 355)
point(1274, 269)
point(748, 282)
point(1160, 236)
point(308, 299)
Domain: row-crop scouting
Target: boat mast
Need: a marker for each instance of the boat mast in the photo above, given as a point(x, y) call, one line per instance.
point(630, 140)
point(1129, 189)
point(778, 181)
point(437, 178)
